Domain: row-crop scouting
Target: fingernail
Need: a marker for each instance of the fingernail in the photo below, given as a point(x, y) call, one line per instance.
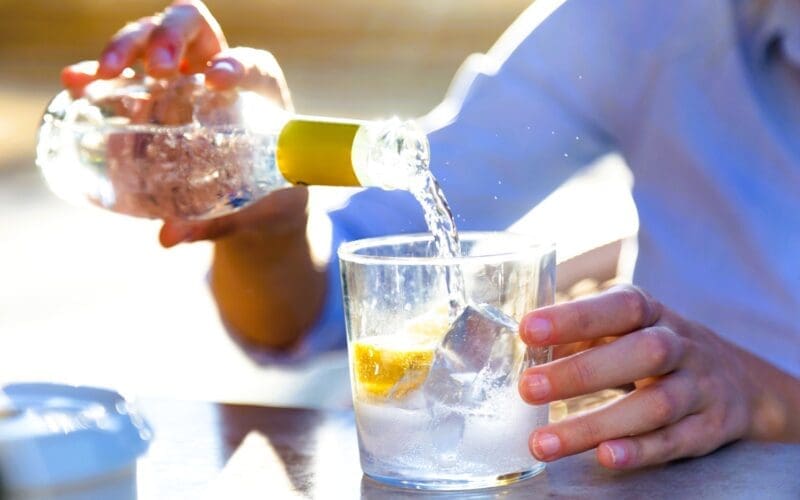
point(225, 66)
point(538, 386)
point(545, 445)
point(619, 454)
point(163, 57)
point(538, 330)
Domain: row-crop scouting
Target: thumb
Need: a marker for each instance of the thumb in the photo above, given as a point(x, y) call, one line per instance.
point(174, 232)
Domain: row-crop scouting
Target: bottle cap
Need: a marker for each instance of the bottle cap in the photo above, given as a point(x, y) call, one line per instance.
point(317, 151)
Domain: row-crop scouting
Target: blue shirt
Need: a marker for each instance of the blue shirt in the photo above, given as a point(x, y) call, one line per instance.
point(701, 98)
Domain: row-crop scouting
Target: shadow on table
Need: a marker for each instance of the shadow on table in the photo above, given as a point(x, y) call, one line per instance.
point(278, 447)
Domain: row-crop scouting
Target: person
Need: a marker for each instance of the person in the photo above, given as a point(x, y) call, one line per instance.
point(698, 98)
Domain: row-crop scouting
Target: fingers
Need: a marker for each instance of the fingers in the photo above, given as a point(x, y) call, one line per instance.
point(77, 76)
point(224, 72)
point(125, 47)
point(122, 51)
point(642, 411)
point(251, 69)
point(186, 37)
point(618, 311)
point(686, 438)
point(649, 352)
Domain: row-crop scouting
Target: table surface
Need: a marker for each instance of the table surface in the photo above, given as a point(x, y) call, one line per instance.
point(208, 450)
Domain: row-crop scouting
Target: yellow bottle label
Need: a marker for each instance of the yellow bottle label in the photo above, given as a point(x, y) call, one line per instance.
point(317, 151)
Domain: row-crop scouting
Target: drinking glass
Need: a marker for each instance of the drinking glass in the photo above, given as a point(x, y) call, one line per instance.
point(435, 357)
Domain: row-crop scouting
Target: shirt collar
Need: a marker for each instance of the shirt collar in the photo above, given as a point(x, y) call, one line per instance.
point(773, 24)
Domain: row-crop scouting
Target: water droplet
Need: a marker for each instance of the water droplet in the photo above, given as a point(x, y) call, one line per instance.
point(495, 197)
point(499, 182)
point(566, 155)
point(552, 132)
point(577, 138)
point(580, 77)
point(528, 127)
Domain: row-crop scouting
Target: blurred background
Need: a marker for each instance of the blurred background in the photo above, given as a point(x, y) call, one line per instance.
point(90, 297)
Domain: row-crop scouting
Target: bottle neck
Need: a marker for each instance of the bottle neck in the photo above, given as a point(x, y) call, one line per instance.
point(333, 152)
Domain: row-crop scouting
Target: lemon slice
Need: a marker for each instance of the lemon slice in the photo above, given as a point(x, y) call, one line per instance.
point(391, 366)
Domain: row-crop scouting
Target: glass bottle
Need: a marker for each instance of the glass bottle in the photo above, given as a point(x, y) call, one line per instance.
point(174, 149)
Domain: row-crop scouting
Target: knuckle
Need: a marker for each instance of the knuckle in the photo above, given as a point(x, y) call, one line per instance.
point(582, 373)
point(587, 433)
point(663, 405)
point(658, 344)
point(714, 420)
point(183, 9)
point(642, 308)
point(583, 317)
point(669, 447)
point(165, 34)
point(638, 455)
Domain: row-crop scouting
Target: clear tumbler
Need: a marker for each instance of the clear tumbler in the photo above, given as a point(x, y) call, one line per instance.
point(435, 379)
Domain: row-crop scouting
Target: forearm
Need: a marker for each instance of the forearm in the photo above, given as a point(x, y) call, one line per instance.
point(267, 287)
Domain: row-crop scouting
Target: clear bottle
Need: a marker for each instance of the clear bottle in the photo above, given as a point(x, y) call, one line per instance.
point(174, 149)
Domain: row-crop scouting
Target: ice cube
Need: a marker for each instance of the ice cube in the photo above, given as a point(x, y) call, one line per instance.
point(480, 351)
point(479, 354)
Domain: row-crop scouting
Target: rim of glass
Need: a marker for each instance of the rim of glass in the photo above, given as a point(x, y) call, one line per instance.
point(522, 245)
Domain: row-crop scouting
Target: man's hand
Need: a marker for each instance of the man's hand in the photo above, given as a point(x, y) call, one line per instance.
point(184, 39)
point(265, 281)
point(694, 391)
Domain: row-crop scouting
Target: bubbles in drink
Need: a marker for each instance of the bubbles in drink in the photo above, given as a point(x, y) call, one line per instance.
point(158, 149)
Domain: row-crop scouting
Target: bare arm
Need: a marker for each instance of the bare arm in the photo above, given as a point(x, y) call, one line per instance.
point(264, 279)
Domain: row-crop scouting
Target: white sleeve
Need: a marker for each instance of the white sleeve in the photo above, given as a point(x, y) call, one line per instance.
point(543, 103)
point(517, 122)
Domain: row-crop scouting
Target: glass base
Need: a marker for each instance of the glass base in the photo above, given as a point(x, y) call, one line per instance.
point(471, 483)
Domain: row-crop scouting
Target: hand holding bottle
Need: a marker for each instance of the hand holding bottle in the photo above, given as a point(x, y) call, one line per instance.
point(262, 248)
point(165, 146)
point(186, 39)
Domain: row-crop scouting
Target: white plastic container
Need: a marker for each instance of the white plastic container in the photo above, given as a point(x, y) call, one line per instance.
point(63, 442)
